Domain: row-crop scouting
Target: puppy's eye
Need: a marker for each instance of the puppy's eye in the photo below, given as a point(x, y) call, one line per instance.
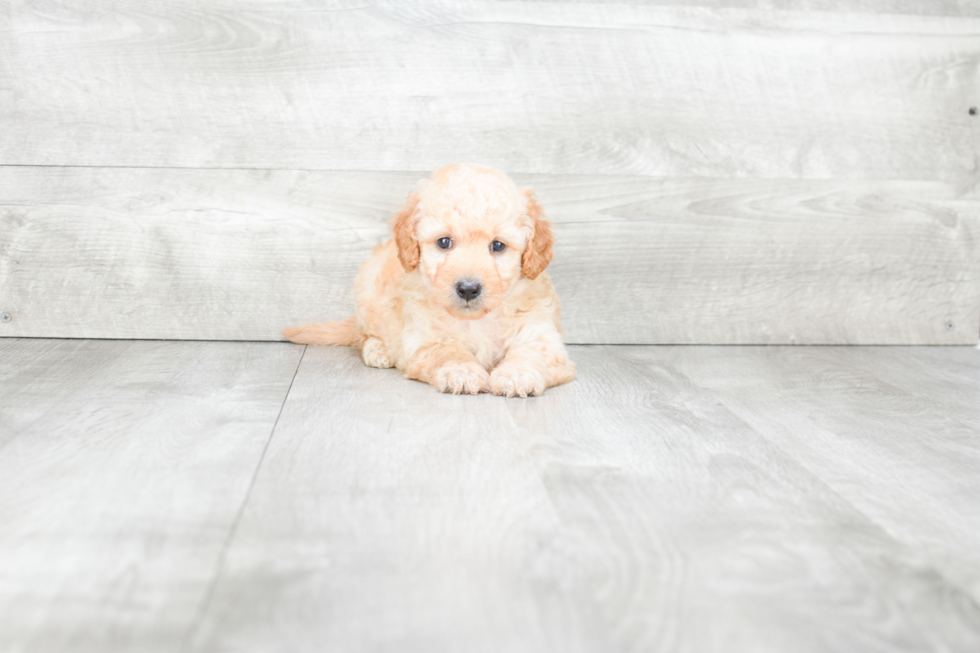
point(444, 243)
point(497, 246)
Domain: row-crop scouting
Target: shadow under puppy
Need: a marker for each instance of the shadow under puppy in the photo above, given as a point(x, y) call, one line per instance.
point(459, 297)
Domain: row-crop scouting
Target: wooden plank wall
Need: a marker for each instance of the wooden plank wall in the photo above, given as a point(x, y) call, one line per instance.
point(719, 172)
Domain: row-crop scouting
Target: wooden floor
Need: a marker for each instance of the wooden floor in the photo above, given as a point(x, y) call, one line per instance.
point(235, 496)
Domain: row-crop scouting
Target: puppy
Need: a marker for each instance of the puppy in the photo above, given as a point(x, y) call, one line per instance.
point(459, 298)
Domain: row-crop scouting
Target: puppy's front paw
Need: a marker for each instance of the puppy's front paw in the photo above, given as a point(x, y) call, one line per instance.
point(516, 383)
point(461, 378)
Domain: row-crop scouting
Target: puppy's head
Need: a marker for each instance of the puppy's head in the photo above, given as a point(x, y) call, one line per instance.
point(473, 234)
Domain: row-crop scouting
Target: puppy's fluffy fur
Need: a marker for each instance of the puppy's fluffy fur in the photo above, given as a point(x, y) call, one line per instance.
point(415, 309)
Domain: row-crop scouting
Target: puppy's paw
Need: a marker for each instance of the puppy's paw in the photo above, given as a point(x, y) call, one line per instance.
point(461, 378)
point(510, 382)
point(375, 355)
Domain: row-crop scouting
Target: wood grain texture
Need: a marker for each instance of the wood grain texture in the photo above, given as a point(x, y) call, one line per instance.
point(123, 466)
point(893, 431)
point(912, 7)
point(627, 511)
point(235, 254)
point(524, 86)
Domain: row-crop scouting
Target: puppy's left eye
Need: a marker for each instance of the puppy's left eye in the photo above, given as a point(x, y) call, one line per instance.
point(444, 243)
point(497, 246)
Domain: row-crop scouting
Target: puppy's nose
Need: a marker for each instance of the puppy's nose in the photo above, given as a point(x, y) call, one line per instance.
point(468, 289)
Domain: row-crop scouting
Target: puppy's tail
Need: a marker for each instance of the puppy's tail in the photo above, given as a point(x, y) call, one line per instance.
point(325, 333)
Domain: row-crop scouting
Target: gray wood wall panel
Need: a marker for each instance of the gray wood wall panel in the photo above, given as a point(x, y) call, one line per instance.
point(608, 108)
point(234, 254)
point(527, 87)
point(913, 7)
point(627, 511)
point(123, 466)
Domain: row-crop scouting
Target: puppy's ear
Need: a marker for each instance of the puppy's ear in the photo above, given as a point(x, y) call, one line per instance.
point(403, 225)
point(538, 253)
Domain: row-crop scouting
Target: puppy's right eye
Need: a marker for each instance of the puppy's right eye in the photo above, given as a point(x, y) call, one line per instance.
point(444, 243)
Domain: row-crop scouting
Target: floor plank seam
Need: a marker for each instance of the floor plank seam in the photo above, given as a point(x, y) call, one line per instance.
point(209, 594)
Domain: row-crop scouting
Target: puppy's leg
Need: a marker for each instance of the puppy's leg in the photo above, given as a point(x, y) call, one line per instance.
point(448, 368)
point(529, 368)
point(374, 353)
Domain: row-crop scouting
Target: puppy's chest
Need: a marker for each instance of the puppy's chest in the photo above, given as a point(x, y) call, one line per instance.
point(483, 338)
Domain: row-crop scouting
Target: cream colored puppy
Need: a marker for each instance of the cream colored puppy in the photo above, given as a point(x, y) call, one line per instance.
point(459, 298)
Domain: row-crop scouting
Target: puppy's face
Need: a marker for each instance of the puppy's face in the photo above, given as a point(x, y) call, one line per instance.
point(472, 235)
point(470, 262)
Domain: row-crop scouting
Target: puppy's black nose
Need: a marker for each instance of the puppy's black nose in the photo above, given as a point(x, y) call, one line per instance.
point(468, 289)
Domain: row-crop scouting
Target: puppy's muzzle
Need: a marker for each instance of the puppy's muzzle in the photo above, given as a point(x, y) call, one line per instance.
point(468, 289)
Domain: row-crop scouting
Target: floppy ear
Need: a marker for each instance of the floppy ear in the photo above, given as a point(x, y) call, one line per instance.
point(537, 254)
point(403, 225)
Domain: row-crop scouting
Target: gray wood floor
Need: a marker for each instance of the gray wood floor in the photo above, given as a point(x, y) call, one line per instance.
point(219, 496)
